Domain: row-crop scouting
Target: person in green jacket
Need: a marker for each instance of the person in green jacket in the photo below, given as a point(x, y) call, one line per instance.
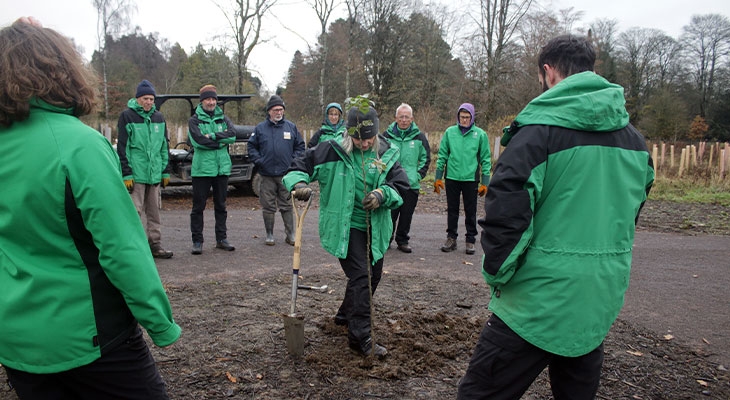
point(465, 160)
point(415, 157)
point(210, 132)
point(561, 211)
point(143, 149)
point(76, 273)
point(360, 180)
point(333, 125)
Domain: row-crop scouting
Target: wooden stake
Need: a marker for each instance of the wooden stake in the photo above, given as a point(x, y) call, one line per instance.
point(654, 151)
point(671, 156)
point(681, 163)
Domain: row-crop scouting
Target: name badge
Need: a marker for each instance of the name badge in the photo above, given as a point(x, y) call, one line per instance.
point(287, 135)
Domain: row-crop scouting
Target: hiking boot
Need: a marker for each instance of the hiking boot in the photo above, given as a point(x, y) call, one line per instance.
point(366, 349)
point(405, 248)
point(470, 248)
point(339, 321)
point(197, 248)
point(450, 245)
point(159, 252)
point(224, 245)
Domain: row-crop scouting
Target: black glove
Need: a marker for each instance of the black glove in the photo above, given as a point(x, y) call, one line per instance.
point(372, 200)
point(302, 191)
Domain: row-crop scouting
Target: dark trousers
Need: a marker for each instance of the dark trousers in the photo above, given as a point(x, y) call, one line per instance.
point(201, 186)
point(126, 372)
point(403, 215)
point(356, 304)
point(469, 191)
point(504, 366)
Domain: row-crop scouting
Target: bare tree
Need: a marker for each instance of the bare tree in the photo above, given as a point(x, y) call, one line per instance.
point(706, 41)
point(245, 22)
point(353, 14)
point(496, 26)
point(324, 9)
point(112, 18)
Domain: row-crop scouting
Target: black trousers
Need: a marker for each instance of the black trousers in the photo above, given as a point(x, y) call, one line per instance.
point(403, 216)
point(469, 191)
point(504, 366)
point(126, 372)
point(356, 304)
point(201, 186)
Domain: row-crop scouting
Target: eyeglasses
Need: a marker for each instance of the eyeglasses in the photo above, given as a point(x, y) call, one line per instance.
point(277, 110)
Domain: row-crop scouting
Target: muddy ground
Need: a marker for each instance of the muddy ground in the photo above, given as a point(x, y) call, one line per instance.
point(430, 308)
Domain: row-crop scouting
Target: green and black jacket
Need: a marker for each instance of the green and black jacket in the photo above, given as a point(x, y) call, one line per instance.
point(561, 213)
point(76, 272)
point(143, 144)
point(210, 155)
point(415, 153)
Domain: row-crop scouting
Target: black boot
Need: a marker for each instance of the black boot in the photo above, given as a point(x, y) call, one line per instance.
point(288, 217)
point(269, 225)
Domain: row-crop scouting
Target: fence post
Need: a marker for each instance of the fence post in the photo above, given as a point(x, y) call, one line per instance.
point(671, 156)
point(654, 151)
point(497, 149)
point(682, 157)
point(664, 152)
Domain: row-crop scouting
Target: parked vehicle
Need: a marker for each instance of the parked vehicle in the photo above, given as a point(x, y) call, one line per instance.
point(243, 171)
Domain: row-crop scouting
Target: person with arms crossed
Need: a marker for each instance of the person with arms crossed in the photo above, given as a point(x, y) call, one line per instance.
point(76, 273)
point(143, 149)
point(415, 157)
point(557, 237)
point(210, 132)
point(360, 180)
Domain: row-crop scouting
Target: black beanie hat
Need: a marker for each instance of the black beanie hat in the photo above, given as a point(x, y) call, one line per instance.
point(208, 91)
point(273, 102)
point(144, 88)
point(366, 124)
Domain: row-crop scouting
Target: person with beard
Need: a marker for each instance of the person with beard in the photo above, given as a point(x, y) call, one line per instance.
point(561, 211)
point(273, 145)
point(210, 132)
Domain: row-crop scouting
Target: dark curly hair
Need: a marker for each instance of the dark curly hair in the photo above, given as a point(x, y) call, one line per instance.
point(40, 63)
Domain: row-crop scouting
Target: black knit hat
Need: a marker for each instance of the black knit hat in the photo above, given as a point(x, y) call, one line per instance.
point(273, 102)
point(365, 124)
point(208, 91)
point(144, 88)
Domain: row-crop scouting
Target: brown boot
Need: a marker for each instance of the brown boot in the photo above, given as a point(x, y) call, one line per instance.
point(450, 245)
point(159, 252)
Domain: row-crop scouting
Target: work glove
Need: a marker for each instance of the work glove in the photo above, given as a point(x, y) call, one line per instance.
point(482, 190)
point(372, 200)
point(302, 191)
point(129, 183)
point(165, 182)
point(438, 185)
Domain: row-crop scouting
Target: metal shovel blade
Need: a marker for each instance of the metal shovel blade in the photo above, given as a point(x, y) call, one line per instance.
point(293, 323)
point(294, 332)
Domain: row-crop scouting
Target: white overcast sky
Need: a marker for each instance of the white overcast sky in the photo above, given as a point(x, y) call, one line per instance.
point(191, 22)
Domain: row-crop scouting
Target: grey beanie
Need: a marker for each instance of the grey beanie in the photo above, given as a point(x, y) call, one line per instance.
point(275, 101)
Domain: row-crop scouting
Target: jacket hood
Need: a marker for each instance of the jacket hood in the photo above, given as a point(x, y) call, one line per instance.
point(326, 121)
point(466, 107)
point(584, 101)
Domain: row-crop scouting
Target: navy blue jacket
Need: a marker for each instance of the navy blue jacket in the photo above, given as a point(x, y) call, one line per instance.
point(273, 146)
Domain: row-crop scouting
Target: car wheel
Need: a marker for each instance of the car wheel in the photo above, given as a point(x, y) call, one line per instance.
point(255, 182)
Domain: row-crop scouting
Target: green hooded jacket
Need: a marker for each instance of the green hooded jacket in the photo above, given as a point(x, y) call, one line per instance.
point(415, 153)
point(335, 171)
point(462, 155)
point(143, 144)
point(210, 136)
point(76, 270)
point(561, 212)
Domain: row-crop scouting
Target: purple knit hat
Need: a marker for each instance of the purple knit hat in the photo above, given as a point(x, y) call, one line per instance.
point(469, 108)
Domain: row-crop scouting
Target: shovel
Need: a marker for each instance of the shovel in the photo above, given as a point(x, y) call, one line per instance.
point(293, 323)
